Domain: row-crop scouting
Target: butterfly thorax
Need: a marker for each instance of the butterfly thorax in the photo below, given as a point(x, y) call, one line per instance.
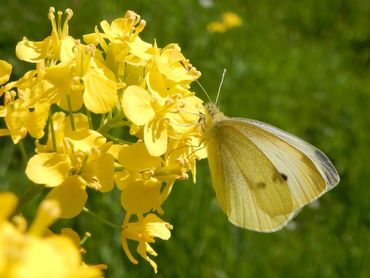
point(213, 115)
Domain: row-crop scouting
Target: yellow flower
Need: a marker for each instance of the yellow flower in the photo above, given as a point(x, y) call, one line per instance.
point(121, 29)
point(122, 45)
point(160, 119)
point(146, 180)
point(228, 21)
point(140, 192)
point(37, 253)
point(58, 46)
point(138, 195)
point(216, 27)
point(20, 120)
point(144, 185)
point(82, 162)
point(144, 231)
point(100, 89)
point(83, 80)
point(79, 78)
point(172, 64)
point(231, 20)
point(158, 107)
point(183, 153)
point(137, 105)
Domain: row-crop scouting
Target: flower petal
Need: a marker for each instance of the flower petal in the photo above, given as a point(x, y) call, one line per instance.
point(155, 137)
point(136, 104)
point(139, 52)
point(104, 172)
point(156, 84)
point(5, 70)
point(143, 248)
point(33, 52)
point(15, 120)
point(37, 120)
point(8, 203)
point(66, 49)
point(50, 169)
point(71, 195)
point(100, 94)
point(156, 227)
point(84, 140)
point(140, 196)
point(136, 158)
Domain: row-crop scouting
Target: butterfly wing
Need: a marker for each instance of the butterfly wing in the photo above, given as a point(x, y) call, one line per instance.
point(308, 171)
point(263, 175)
point(248, 187)
point(319, 159)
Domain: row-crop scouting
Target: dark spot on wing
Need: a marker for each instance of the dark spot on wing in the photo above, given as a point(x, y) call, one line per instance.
point(279, 177)
point(261, 185)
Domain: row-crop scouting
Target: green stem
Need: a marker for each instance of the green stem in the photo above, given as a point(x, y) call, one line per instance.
point(103, 119)
point(120, 124)
point(73, 125)
point(116, 140)
point(31, 193)
point(23, 152)
point(102, 219)
point(88, 114)
point(52, 131)
point(108, 125)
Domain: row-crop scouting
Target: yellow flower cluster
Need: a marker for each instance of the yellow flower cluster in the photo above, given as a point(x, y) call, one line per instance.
point(110, 109)
point(38, 252)
point(228, 21)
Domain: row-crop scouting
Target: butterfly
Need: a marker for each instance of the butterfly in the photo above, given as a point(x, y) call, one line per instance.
point(262, 175)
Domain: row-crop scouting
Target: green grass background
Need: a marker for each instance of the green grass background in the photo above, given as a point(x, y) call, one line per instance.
point(303, 66)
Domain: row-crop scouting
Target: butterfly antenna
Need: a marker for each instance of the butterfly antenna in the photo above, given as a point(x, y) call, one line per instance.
point(204, 90)
point(194, 79)
point(219, 87)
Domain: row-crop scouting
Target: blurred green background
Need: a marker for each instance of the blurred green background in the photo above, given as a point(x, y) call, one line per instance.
point(303, 66)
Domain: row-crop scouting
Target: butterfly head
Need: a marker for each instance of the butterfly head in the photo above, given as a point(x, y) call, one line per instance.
point(212, 116)
point(211, 110)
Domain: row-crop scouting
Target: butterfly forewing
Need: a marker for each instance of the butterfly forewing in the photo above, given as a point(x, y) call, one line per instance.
point(318, 158)
point(308, 174)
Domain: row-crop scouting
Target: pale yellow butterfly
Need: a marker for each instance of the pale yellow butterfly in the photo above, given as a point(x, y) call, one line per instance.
point(262, 175)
